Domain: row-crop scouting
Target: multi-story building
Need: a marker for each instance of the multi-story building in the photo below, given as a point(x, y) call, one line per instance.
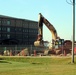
point(17, 31)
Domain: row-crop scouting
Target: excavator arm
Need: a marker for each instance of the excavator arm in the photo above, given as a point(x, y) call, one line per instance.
point(43, 20)
point(48, 25)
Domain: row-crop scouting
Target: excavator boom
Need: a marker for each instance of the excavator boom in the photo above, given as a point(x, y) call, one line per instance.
point(48, 25)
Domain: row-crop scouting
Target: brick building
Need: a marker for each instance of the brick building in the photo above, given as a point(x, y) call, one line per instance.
point(17, 31)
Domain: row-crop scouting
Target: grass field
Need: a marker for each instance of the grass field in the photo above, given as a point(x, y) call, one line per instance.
point(36, 66)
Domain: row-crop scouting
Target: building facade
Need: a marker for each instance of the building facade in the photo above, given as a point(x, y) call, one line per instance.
point(17, 31)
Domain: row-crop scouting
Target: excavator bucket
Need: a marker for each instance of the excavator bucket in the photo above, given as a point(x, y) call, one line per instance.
point(38, 43)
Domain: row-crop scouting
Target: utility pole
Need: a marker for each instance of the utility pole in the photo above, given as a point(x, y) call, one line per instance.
point(73, 31)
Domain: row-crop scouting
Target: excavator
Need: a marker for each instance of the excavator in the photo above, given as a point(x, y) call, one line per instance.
point(56, 40)
point(39, 41)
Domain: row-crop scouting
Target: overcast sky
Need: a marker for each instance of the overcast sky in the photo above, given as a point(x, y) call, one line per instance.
point(57, 12)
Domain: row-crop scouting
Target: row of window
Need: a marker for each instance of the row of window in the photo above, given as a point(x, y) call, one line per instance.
point(24, 24)
point(5, 22)
point(17, 36)
point(5, 29)
point(8, 29)
point(5, 36)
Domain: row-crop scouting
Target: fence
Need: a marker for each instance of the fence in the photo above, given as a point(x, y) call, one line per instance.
point(20, 50)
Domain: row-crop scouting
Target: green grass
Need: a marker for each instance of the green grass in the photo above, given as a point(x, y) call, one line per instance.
point(36, 66)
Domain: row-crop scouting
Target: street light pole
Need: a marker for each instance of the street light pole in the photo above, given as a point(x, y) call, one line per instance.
point(73, 31)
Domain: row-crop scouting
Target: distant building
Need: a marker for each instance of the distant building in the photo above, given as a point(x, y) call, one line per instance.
point(17, 31)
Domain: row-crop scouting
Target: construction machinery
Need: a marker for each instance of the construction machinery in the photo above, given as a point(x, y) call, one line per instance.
point(57, 42)
point(39, 41)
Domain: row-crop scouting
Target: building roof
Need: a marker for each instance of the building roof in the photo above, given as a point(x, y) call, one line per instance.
point(4, 16)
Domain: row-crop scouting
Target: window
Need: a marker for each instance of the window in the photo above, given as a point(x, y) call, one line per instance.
point(0, 28)
point(3, 28)
point(19, 29)
point(3, 22)
point(8, 36)
point(23, 30)
point(25, 24)
point(8, 22)
point(4, 36)
point(0, 22)
point(8, 29)
point(26, 30)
